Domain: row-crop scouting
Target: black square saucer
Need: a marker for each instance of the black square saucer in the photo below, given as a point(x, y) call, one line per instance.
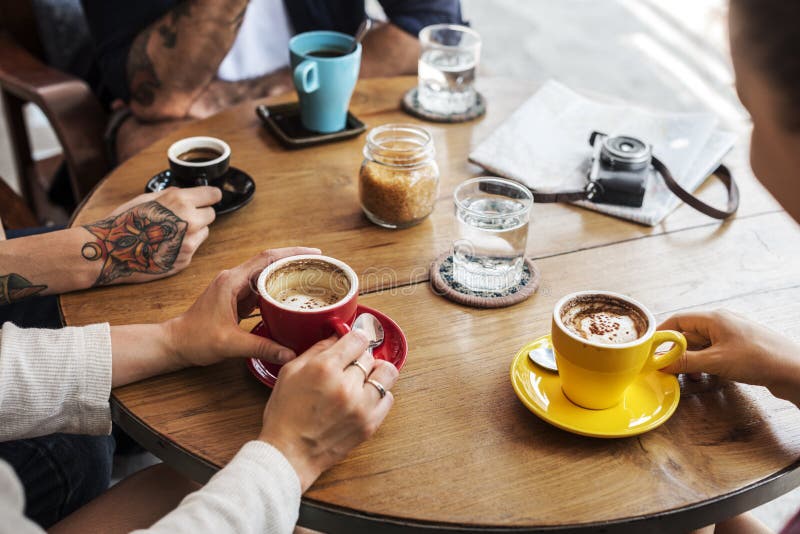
point(237, 188)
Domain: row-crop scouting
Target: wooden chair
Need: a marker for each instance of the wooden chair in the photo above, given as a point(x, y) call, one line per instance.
point(14, 211)
point(77, 117)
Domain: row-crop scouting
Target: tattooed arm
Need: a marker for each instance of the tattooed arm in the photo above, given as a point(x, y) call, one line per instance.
point(152, 236)
point(172, 61)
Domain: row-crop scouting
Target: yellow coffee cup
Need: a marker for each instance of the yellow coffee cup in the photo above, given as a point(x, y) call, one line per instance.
point(602, 341)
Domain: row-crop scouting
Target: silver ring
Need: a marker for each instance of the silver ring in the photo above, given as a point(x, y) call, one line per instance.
point(360, 366)
point(378, 386)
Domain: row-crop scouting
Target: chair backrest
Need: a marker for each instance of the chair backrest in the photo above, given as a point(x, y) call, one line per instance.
point(14, 212)
point(32, 33)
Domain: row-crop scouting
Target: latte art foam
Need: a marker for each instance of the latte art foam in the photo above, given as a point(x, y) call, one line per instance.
point(308, 284)
point(604, 319)
point(308, 299)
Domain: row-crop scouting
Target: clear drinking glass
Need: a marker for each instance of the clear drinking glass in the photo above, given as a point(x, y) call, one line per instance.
point(450, 55)
point(493, 216)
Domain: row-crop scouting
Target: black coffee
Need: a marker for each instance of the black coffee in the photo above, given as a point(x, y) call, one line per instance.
point(327, 52)
point(199, 155)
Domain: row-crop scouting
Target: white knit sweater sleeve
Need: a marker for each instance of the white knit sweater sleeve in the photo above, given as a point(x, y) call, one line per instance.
point(54, 381)
point(258, 492)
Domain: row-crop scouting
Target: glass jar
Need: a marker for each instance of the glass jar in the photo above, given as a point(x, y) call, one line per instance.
point(399, 180)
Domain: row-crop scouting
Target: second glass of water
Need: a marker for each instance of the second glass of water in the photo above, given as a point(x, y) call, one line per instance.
point(447, 64)
point(493, 217)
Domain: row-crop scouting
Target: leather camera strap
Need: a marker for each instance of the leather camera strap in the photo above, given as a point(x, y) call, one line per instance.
point(724, 175)
point(722, 172)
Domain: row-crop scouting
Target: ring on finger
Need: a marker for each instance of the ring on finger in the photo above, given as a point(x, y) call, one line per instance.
point(360, 365)
point(378, 386)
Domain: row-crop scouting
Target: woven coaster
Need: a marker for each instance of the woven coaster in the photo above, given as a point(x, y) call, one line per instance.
point(412, 106)
point(443, 284)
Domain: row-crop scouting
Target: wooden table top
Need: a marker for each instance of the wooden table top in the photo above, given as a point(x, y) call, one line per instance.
point(458, 449)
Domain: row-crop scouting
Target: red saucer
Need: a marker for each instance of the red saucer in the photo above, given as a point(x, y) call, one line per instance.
point(393, 349)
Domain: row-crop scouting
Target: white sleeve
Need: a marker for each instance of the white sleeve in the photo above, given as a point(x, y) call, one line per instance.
point(258, 492)
point(54, 381)
point(12, 504)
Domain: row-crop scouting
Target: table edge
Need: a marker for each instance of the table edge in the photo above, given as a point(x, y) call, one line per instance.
point(336, 519)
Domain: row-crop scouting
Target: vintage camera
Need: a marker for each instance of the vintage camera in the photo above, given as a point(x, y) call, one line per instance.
point(620, 168)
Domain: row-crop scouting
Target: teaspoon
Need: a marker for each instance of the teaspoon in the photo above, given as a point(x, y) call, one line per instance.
point(372, 328)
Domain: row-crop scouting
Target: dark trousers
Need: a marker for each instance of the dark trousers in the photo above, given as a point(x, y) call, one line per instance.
point(62, 472)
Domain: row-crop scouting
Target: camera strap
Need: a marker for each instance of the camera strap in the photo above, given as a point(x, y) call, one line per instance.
point(593, 188)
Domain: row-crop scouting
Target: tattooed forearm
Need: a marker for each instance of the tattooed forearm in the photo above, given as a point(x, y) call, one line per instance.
point(144, 239)
point(185, 46)
point(14, 287)
point(142, 74)
point(169, 30)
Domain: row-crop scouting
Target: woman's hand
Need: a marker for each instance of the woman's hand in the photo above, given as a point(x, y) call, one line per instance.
point(209, 330)
point(206, 333)
point(152, 236)
point(322, 407)
point(725, 344)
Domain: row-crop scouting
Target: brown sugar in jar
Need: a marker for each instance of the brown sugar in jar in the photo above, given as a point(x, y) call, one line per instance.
point(399, 178)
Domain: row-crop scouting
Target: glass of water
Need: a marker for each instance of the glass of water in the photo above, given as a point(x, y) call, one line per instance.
point(493, 216)
point(450, 54)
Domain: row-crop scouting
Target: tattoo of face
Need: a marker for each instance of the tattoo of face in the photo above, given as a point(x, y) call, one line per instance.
point(14, 287)
point(144, 239)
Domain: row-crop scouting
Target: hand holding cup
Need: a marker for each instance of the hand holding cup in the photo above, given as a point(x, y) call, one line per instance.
point(209, 330)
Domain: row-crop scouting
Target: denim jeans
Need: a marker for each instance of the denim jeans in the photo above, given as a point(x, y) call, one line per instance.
point(60, 473)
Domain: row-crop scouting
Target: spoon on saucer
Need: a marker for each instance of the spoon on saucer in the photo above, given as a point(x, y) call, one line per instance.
point(372, 328)
point(544, 357)
point(362, 30)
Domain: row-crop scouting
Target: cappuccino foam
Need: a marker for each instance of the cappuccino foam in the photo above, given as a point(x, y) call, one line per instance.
point(307, 285)
point(300, 299)
point(604, 319)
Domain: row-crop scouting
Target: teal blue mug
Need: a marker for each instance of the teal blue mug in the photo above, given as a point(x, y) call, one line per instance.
point(324, 75)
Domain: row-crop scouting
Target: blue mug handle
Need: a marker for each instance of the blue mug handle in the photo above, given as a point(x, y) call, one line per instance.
point(306, 77)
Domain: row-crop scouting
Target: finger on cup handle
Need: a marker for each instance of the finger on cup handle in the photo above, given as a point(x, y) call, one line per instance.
point(203, 195)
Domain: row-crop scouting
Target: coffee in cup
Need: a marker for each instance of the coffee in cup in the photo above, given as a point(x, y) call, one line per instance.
point(604, 319)
point(198, 160)
point(328, 52)
point(602, 342)
point(200, 155)
point(309, 284)
point(324, 71)
point(304, 299)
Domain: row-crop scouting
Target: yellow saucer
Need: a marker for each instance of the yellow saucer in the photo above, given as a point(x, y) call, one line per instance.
point(647, 404)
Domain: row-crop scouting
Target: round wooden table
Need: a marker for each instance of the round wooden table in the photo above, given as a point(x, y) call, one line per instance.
point(459, 452)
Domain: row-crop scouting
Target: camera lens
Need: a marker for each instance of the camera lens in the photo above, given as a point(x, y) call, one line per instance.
point(626, 153)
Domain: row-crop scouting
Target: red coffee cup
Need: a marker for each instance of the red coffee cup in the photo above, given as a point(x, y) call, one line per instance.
point(305, 299)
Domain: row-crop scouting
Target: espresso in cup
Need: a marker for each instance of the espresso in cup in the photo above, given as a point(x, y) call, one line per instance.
point(605, 319)
point(307, 298)
point(602, 342)
point(198, 160)
point(328, 52)
point(308, 284)
point(200, 155)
